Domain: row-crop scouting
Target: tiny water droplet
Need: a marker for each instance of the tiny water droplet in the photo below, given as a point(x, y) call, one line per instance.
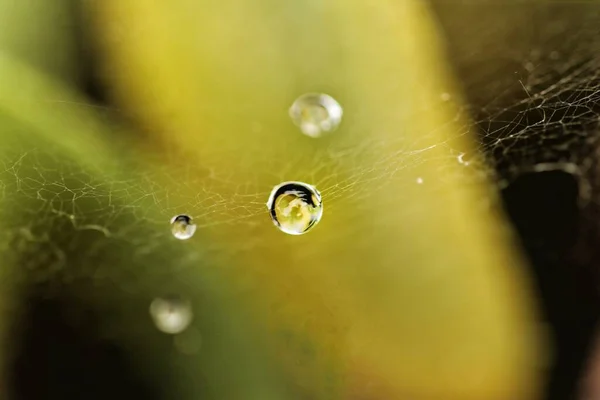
point(295, 207)
point(182, 227)
point(171, 314)
point(316, 113)
point(461, 159)
point(445, 96)
point(420, 180)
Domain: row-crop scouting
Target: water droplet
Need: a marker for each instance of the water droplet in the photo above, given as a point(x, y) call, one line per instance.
point(182, 227)
point(461, 159)
point(295, 207)
point(316, 113)
point(420, 180)
point(171, 314)
point(445, 96)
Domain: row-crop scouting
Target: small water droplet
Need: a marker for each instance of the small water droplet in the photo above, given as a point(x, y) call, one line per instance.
point(461, 159)
point(420, 180)
point(182, 227)
point(445, 96)
point(316, 113)
point(295, 207)
point(171, 314)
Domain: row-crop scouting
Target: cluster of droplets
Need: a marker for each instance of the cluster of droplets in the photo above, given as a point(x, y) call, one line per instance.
point(295, 208)
point(173, 314)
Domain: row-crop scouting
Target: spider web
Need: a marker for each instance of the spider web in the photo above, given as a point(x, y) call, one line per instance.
point(532, 85)
point(532, 107)
point(529, 107)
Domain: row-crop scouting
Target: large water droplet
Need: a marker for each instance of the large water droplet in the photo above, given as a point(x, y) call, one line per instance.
point(295, 207)
point(171, 314)
point(182, 227)
point(316, 113)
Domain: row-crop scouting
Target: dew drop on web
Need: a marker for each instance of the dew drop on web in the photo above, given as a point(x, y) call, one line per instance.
point(182, 227)
point(316, 114)
point(295, 207)
point(171, 314)
point(462, 159)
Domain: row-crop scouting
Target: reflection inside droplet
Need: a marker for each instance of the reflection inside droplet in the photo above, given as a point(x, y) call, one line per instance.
point(295, 207)
point(316, 113)
point(182, 227)
point(171, 314)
